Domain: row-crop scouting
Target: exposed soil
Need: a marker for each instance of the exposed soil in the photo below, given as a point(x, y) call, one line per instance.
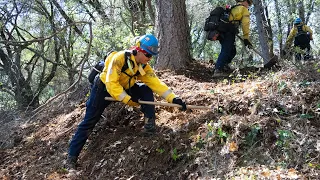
point(263, 124)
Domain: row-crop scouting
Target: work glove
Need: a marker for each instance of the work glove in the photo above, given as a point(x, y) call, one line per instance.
point(247, 43)
point(133, 102)
point(179, 101)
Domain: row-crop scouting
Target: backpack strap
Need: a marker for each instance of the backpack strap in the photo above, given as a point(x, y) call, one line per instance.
point(128, 63)
point(127, 60)
point(300, 30)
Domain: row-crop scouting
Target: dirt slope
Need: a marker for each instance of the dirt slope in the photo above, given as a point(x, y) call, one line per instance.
point(264, 124)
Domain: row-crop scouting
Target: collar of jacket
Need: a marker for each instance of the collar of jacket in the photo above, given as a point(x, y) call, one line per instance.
point(140, 68)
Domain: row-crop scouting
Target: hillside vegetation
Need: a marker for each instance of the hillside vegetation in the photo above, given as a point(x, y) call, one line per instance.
point(263, 124)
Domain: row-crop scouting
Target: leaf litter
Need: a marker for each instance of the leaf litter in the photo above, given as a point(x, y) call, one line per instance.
point(264, 125)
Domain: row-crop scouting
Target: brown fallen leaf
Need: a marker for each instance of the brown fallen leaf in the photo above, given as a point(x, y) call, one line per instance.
point(292, 173)
point(233, 146)
point(266, 174)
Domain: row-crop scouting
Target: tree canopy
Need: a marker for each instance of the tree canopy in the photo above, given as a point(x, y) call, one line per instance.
point(44, 43)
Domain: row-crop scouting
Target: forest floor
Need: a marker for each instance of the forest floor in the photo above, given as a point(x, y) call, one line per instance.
point(264, 124)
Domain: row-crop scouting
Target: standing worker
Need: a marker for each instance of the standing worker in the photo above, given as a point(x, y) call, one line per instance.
point(239, 14)
point(119, 80)
point(302, 34)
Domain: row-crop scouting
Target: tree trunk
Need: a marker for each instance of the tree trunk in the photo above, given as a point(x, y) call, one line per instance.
point(151, 13)
point(21, 88)
point(99, 8)
point(263, 37)
point(173, 34)
point(24, 95)
point(301, 11)
point(292, 8)
point(310, 10)
point(268, 30)
point(280, 29)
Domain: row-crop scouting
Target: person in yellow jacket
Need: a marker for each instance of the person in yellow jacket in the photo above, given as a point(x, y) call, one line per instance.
point(301, 34)
point(239, 14)
point(119, 80)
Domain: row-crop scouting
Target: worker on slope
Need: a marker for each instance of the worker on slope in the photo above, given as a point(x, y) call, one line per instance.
point(121, 84)
point(302, 35)
point(239, 15)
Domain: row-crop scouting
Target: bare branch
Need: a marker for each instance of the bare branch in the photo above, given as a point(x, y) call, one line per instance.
point(40, 54)
point(85, 58)
point(7, 89)
point(45, 38)
point(66, 17)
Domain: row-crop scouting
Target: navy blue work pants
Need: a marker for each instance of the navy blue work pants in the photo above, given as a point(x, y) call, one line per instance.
point(95, 107)
point(228, 50)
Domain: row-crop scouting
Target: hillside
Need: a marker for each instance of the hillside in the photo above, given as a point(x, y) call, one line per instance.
point(263, 124)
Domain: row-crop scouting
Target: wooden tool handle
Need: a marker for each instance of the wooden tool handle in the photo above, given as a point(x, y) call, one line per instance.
point(163, 104)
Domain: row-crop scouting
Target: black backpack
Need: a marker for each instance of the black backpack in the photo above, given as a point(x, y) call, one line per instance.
point(302, 37)
point(97, 69)
point(218, 22)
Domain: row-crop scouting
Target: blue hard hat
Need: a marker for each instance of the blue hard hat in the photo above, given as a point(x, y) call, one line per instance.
point(297, 21)
point(149, 43)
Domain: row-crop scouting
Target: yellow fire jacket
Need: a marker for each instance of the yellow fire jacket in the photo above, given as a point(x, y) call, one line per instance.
point(117, 82)
point(294, 32)
point(241, 14)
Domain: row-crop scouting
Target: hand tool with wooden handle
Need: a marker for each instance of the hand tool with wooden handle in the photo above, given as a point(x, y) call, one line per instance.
point(267, 62)
point(164, 104)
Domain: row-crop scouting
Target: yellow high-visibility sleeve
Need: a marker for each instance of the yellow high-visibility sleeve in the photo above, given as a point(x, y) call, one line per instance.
point(117, 82)
point(156, 85)
point(111, 76)
point(293, 33)
point(242, 14)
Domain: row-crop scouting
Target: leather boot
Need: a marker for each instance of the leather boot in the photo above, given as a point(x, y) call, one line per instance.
point(150, 125)
point(71, 162)
point(220, 73)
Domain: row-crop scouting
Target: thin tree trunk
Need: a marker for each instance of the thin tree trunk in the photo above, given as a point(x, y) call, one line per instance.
point(263, 37)
point(311, 5)
point(151, 12)
point(99, 8)
point(87, 10)
point(268, 30)
point(291, 11)
point(301, 11)
point(280, 29)
point(66, 17)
